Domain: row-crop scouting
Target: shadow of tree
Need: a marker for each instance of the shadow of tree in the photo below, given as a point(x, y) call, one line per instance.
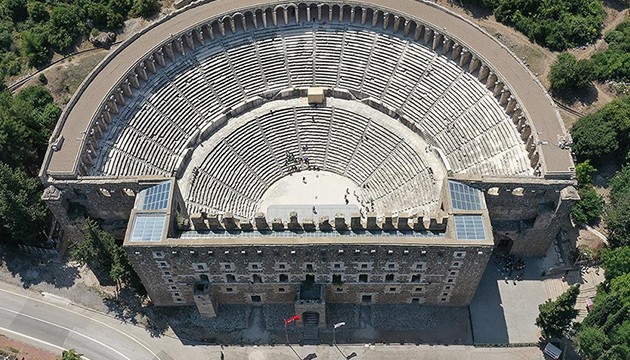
point(587, 96)
point(129, 307)
point(474, 10)
point(34, 269)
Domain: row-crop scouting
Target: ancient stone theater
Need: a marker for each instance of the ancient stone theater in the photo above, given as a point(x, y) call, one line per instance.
point(309, 153)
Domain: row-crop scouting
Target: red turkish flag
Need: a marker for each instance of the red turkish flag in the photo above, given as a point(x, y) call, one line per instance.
point(292, 319)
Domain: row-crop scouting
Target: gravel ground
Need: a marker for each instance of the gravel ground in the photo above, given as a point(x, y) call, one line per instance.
point(275, 314)
point(413, 317)
point(348, 313)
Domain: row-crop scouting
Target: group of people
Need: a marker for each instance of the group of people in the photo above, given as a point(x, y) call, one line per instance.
point(510, 265)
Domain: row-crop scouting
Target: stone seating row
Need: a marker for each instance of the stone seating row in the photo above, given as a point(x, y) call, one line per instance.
point(248, 160)
point(423, 86)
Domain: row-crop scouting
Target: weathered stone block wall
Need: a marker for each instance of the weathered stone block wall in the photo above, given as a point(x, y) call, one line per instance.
point(432, 274)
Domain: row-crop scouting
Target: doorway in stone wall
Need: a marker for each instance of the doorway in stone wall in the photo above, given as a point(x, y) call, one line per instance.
point(504, 244)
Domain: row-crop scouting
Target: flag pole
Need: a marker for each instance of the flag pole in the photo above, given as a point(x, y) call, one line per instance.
point(286, 332)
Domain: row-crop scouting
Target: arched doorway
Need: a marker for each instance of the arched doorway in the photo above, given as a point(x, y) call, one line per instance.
point(504, 244)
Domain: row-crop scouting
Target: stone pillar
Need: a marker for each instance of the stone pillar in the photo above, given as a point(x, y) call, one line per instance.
point(457, 51)
point(293, 224)
point(376, 14)
point(475, 63)
point(465, 58)
point(168, 50)
point(492, 80)
point(407, 27)
point(141, 70)
point(230, 222)
point(355, 221)
point(199, 35)
point(308, 224)
point(483, 72)
point(285, 12)
point(505, 94)
point(402, 222)
point(125, 86)
point(363, 16)
point(428, 36)
point(388, 224)
point(261, 221)
point(511, 104)
point(277, 224)
point(437, 41)
point(498, 87)
point(133, 80)
point(385, 20)
point(324, 224)
point(199, 222)
point(371, 221)
point(340, 222)
point(396, 23)
point(418, 33)
point(213, 222)
point(189, 40)
point(274, 17)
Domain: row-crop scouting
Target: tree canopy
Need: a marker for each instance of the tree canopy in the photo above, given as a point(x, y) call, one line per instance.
point(567, 74)
point(31, 30)
point(605, 332)
point(26, 121)
point(99, 250)
point(556, 316)
point(617, 213)
point(614, 62)
point(604, 133)
point(556, 24)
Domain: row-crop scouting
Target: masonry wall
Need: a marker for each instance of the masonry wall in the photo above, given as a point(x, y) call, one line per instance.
point(528, 212)
point(443, 275)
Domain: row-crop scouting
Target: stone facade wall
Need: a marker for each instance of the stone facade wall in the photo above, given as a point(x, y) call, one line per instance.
point(528, 212)
point(432, 274)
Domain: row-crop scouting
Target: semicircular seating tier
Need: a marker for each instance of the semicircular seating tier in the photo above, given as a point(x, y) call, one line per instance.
point(445, 103)
point(241, 166)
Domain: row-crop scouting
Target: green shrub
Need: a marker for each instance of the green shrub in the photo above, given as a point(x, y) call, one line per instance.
point(568, 74)
point(588, 209)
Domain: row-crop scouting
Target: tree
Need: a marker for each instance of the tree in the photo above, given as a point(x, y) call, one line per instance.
point(70, 355)
point(589, 208)
point(591, 342)
point(34, 47)
point(556, 316)
point(568, 74)
point(616, 262)
point(66, 24)
point(99, 249)
point(22, 213)
point(144, 8)
point(617, 215)
point(557, 24)
point(584, 172)
point(604, 133)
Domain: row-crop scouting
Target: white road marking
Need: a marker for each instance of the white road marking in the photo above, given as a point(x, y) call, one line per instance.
point(65, 328)
point(100, 322)
point(2, 329)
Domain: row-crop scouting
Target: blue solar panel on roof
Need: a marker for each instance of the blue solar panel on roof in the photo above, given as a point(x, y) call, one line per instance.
point(464, 197)
point(148, 227)
point(156, 198)
point(469, 227)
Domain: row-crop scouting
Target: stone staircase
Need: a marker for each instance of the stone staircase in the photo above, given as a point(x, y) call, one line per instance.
point(311, 329)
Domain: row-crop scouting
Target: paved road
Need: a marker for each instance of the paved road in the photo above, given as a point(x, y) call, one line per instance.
point(54, 324)
point(55, 328)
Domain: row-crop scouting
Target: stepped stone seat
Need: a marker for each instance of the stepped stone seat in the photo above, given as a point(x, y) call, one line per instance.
point(429, 90)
